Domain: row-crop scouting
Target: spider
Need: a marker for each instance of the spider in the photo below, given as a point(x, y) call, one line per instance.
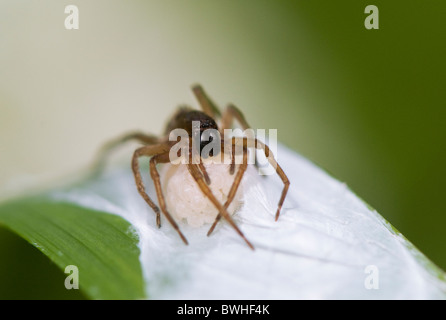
point(158, 149)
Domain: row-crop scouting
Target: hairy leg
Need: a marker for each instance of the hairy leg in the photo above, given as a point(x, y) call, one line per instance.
point(205, 173)
point(234, 187)
point(247, 142)
point(163, 158)
point(154, 150)
point(110, 146)
point(230, 114)
point(205, 102)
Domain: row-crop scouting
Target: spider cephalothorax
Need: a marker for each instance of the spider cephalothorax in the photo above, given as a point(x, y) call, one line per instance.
point(197, 124)
point(202, 126)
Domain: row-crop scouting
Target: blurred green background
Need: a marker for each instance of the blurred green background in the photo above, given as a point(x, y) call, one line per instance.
point(366, 105)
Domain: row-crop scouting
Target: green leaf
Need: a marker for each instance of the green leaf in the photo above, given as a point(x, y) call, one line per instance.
point(102, 246)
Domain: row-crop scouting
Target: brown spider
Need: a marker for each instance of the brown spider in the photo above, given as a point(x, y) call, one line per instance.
point(158, 149)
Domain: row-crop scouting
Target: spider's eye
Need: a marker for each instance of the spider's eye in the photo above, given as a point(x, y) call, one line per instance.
point(209, 143)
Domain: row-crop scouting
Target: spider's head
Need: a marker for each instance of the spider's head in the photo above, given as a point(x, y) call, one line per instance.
point(201, 128)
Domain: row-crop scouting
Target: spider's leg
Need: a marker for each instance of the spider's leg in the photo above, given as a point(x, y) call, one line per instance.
point(205, 173)
point(232, 165)
point(146, 151)
point(280, 173)
point(110, 146)
point(230, 114)
point(238, 178)
point(269, 155)
point(197, 176)
point(163, 158)
point(205, 102)
point(154, 150)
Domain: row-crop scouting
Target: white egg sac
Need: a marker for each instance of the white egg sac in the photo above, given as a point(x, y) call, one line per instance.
point(185, 200)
